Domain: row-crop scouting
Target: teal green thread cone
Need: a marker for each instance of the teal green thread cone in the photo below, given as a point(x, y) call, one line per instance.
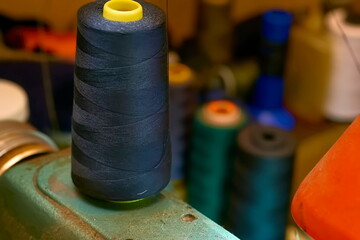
point(212, 155)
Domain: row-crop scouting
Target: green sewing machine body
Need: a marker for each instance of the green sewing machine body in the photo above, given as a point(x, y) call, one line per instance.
point(39, 201)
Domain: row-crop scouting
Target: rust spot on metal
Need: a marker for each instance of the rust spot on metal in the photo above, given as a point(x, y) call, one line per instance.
point(65, 212)
point(59, 187)
point(188, 217)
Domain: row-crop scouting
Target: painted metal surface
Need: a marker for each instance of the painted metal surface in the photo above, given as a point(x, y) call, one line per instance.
point(39, 201)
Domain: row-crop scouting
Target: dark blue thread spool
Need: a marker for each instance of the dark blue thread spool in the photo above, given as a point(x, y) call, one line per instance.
point(261, 183)
point(121, 145)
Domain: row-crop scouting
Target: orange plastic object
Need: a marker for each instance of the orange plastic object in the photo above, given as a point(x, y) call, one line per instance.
point(327, 203)
point(62, 45)
point(222, 113)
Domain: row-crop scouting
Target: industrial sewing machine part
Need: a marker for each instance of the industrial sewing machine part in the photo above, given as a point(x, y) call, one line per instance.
point(38, 200)
point(19, 141)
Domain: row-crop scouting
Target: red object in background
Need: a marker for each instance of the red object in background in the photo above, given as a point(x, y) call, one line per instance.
point(34, 39)
point(327, 203)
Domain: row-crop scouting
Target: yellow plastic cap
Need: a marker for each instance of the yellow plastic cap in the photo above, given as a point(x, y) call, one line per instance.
point(122, 11)
point(179, 74)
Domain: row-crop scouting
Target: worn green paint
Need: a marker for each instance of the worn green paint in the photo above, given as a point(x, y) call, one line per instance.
point(39, 201)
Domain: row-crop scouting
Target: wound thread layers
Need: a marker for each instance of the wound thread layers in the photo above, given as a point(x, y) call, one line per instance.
point(121, 145)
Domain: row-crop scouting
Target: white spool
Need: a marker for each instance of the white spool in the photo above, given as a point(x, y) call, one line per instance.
point(343, 99)
point(13, 102)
